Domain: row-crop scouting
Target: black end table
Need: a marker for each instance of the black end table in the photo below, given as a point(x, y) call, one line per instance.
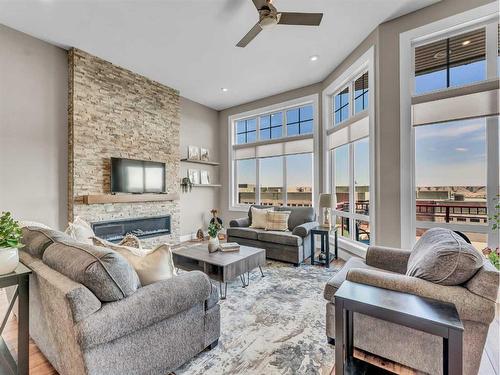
point(19, 277)
point(423, 314)
point(324, 232)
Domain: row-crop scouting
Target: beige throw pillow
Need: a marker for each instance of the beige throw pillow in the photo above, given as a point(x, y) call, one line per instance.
point(259, 218)
point(277, 220)
point(80, 231)
point(151, 265)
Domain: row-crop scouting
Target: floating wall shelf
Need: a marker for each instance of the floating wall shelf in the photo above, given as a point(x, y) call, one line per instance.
point(128, 198)
point(200, 162)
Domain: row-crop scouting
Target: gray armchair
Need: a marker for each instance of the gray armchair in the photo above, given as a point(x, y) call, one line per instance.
point(385, 268)
point(293, 246)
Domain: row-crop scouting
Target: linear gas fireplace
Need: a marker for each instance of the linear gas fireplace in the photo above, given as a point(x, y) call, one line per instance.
point(144, 227)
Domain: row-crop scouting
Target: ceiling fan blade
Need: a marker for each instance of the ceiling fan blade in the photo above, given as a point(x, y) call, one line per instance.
point(305, 19)
point(259, 4)
point(250, 35)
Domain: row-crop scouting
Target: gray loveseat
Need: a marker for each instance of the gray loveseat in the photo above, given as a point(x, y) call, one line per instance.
point(293, 246)
point(385, 268)
point(90, 315)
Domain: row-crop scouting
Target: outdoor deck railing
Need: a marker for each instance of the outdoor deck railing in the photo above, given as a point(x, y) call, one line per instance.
point(452, 213)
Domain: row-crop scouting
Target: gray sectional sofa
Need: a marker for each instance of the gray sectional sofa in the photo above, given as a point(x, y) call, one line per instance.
point(90, 315)
point(386, 268)
point(292, 246)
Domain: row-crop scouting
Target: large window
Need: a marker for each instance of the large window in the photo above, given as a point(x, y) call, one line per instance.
point(299, 120)
point(299, 178)
point(351, 186)
point(271, 181)
point(272, 155)
point(455, 136)
point(451, 62)
point(246, 131)
point(450, 177)
point(246, 177)
point(349, 147)
point(341, 106)
point(271, 126)
point(361, 93)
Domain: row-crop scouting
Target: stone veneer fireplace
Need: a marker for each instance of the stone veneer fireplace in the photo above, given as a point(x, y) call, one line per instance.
point(114, 112)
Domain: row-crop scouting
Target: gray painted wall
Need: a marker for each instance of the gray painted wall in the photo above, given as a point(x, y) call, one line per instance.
point(33, 128)
point(199, 127)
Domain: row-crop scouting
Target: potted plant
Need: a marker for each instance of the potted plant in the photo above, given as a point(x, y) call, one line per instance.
point(493, 255)
point(213, 242)
point(10, 241)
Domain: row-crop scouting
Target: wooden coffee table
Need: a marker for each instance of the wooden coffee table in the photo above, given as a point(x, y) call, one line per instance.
point(221, 266)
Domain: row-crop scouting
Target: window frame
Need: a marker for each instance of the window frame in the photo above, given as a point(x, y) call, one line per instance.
point(342, 106)
point(246, 130)
point(487, 17)
point(258, 113)
point(365, 63)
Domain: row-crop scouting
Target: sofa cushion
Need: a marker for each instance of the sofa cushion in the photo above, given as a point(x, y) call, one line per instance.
point(248, 233)
point(298, 216)
point(37, 239)
point(284, 238)
point(443, 257)
point(105, 272)
point(334, 283)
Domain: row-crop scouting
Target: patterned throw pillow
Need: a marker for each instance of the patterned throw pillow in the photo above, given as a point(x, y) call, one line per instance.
point(277, 220)
point(80, 231)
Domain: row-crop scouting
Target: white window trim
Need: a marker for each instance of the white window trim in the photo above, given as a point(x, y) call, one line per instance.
point(365, 62)
point(283, 106)
point(450, 26)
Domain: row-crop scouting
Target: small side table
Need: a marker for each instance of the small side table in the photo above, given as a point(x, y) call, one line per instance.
point(423, 314)
point(19, 277)
point(325, 244)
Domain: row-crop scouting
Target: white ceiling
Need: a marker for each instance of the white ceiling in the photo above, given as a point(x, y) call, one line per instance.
point(190, 44)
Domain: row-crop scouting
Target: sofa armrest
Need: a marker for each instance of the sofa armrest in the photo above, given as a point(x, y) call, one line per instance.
point(147, 306)
point(304, 229)
point(388, 258)
point(242, 222)
point(469, 305)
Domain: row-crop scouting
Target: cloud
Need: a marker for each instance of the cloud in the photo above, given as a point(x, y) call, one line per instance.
point(461, 149)
point(454, 129)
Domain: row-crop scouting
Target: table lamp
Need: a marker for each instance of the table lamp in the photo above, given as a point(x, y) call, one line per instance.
point(325, 204)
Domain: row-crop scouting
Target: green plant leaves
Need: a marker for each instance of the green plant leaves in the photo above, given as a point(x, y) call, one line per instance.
point(10, 232)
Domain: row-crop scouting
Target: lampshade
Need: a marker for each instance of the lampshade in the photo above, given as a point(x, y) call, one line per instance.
point(325, 200)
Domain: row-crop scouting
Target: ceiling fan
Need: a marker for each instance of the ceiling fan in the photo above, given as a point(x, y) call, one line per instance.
point(269, 16)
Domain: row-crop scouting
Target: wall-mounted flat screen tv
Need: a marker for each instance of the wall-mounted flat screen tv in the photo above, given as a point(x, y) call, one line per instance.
point(137, 176)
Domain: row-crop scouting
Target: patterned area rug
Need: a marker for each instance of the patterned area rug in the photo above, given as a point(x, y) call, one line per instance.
point(276, 325)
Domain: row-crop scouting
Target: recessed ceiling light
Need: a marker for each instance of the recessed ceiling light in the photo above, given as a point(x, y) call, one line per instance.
point(224, 89)
point(314, 58)
point(465, 42)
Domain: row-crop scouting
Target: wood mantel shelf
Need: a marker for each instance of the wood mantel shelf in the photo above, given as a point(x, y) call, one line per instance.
point(128, 198)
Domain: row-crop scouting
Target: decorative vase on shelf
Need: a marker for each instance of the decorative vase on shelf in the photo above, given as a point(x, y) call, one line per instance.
point(213, 244)
point(9, 259)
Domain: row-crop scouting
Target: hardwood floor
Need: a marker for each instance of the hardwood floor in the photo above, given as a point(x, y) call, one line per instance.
point(40, 366)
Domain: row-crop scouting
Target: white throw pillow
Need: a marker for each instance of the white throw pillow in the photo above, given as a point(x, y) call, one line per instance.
point(80, 231)
point(259, 217)
point(151, 265)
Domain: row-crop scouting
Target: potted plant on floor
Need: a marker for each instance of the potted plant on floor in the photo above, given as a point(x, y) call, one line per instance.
point(213, 242)
point(10, 242)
